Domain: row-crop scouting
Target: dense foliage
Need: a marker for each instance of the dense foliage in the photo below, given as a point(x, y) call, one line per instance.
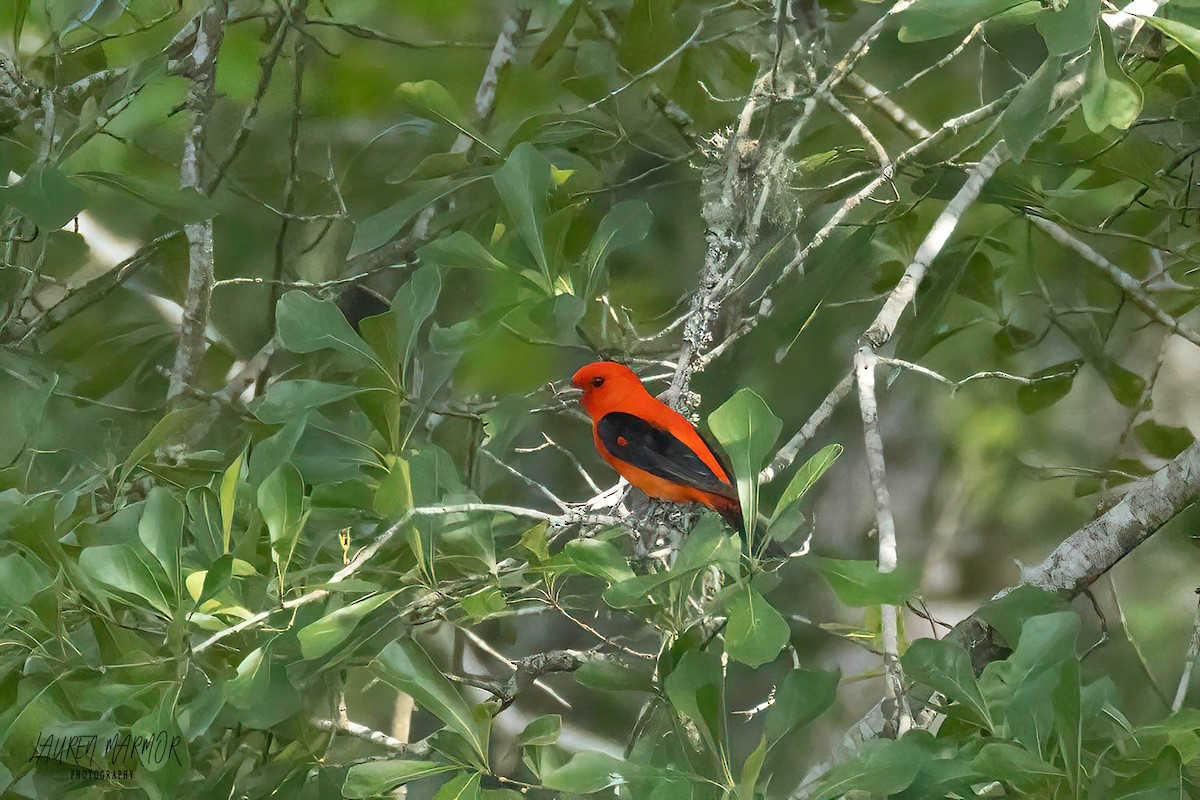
point(250, 535)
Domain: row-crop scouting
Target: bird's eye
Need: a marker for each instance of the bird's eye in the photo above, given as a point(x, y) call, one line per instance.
point(597, 381)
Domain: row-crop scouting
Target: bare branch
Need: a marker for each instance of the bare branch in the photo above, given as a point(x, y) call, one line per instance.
point(1193, 653)
point(200, 65)
point(896, 713)
point(944, 226)
point(888, 107)
point(419, 749)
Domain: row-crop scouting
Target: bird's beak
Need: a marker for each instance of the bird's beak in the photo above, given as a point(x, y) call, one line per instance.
point(571, 393)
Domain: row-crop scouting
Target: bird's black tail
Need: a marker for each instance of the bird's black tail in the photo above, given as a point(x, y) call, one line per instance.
point(731, 512)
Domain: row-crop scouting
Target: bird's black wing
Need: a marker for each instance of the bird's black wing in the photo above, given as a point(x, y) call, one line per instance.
point(657, 451)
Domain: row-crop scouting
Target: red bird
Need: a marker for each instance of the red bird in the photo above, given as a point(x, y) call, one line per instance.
point(653, 447)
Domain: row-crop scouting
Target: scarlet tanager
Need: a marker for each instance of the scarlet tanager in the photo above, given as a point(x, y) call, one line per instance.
point(653, 447)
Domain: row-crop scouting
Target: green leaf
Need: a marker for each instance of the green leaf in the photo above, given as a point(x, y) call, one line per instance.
point(430, 100)
point(379, 777)
point(379, 228)
point(706, 545)
point(1110, 96)
point(523, 182)
point(281, 502)
point(1017, 767)
point(307, 325)
point(883, 767)
point(860, 583)
point(161, 530)
point(394, 496)
point(933, 19)
point(589, 772)
point(1163, 441)
point(806, 476)
point(696, 688)
point(204, 517)
point(118, 566)
point(746, 428)
point(1127, 387)
point(406, 666)
point(557, 36)
point(261, 691)
point(182, 205)
point(543, 730)
point(20, 10)
point(1046, 642)
point(412, 305)
point(284, 401)
point(1162, 780)
point(755, 632)
point(45, 197)
point(1068, 722)
point(461, 249)
point(274, 451)
point(1052, 384)
point(609, 676)
point(464, 786)
point(204, 585)
point(627, 223)
point(171, 426)
point(1070, 28)
point(598, 558)
point(1181, 32)
point(321, 637)
point(20, 580)
point(751, 770)
point(1022, 120)
point(802, 696)
point(536, 542)
point(1008, 614)
point(484, 603)
point(946, 668)
point(228, 497)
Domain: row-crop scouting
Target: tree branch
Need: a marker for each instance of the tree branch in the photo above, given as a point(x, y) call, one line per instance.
point(896, 715)
point(200, 65)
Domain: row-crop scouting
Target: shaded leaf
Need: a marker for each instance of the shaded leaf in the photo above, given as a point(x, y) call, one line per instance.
point(321, 637)
point(378, 777)
point(746, 428)
point(946, 667)
point(755, 632)
point(1110, 96)
point(523, 183)
point(407, 667)
point(860, 583)
point(806, 476)
point(932, 19)
point(429, 99)
point(1164, 441)
point(307, 324)
point(543, 730)
point(1071, 28)
point(800, 698)
point(1022, 120)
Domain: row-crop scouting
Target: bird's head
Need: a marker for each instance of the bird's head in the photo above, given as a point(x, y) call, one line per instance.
point(605, 385)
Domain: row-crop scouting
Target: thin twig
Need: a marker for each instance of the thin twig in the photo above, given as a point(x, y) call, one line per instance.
point(1193, 653)
point(200, 66)
point(1123, 280)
